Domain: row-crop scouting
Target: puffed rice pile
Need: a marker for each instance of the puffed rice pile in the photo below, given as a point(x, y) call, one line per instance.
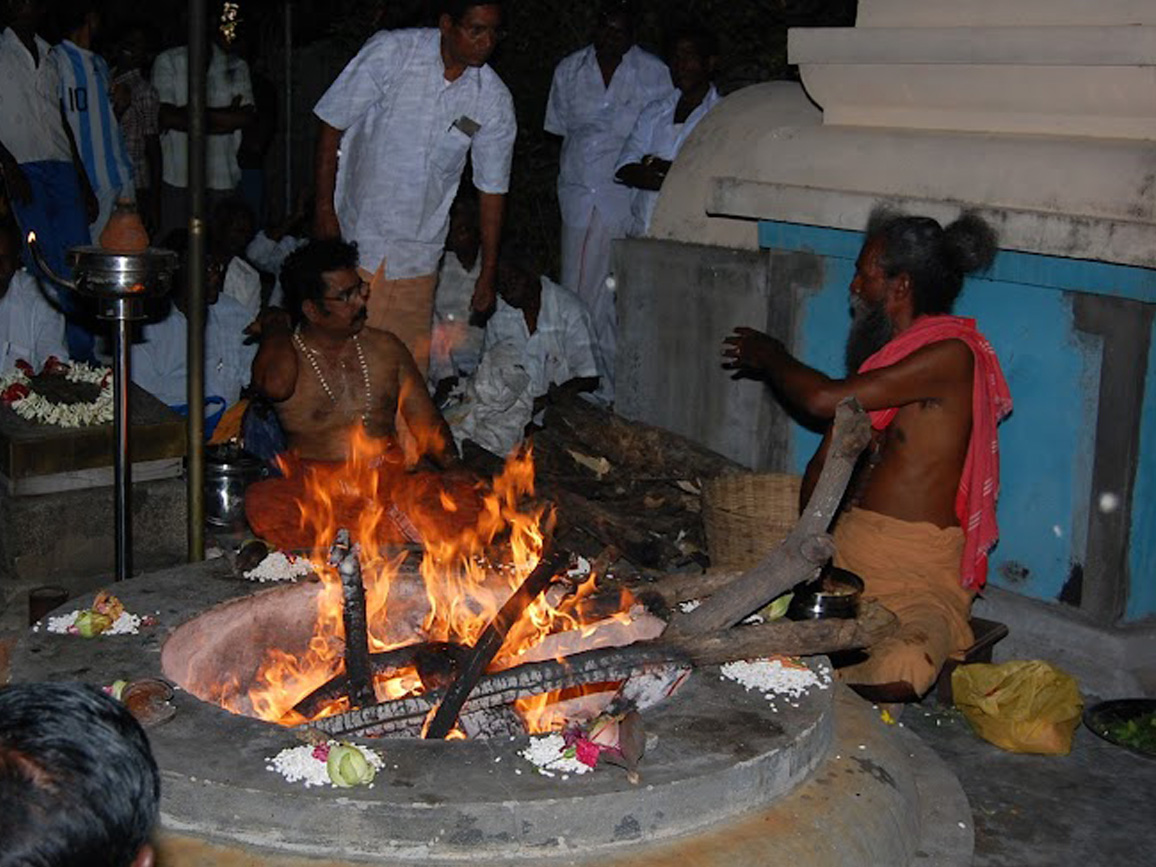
point(126, 624)
point(773, 679)
point(545, 754)
point(299, 764)
point(279, 566)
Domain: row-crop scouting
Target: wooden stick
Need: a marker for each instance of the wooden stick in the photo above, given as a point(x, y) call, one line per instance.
point(358, 671)
point(405, 717)
point(490, 642)
point(806, 548)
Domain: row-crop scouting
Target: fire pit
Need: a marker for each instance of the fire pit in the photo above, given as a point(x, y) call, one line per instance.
point(368, 648)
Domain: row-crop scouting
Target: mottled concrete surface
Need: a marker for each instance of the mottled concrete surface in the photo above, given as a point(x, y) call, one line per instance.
point(1090, 808)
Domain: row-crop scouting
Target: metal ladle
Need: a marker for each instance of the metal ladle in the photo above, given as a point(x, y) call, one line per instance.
point(120, 282)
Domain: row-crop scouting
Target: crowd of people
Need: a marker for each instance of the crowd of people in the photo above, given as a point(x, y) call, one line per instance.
point(399, 301)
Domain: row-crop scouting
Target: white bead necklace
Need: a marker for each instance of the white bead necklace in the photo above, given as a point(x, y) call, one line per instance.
point(312, 354)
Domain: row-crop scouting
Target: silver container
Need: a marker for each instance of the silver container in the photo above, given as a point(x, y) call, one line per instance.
point(228, 472)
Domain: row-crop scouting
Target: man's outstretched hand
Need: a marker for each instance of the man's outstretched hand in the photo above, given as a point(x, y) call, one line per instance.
point(750, 353)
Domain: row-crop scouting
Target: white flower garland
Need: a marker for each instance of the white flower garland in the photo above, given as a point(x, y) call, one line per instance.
point(35, 407)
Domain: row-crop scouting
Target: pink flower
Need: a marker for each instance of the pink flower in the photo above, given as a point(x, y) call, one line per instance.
point(321, 752)
point(587, 752)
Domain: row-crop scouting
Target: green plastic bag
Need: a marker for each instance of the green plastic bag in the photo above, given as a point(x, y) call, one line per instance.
point(1024, 707)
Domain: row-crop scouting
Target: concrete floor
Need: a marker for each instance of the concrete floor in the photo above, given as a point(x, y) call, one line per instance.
point(1093, 807)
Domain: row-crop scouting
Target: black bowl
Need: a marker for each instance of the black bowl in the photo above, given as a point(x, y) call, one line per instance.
point(1102, 717)
point(835, 593)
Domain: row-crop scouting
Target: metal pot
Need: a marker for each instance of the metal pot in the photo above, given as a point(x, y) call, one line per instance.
point(228, 472)
point(835, 593)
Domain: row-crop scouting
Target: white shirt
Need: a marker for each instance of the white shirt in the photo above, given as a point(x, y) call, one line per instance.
point(243, 284)
point(30, 125)
point(655, 133)
point(159, 360)
point(30, 327)
point(84, 94)
point(455, 345)
point(407, 132)
point(559, 350)
point(227, 77)
point(595, 121)
point(269, 255)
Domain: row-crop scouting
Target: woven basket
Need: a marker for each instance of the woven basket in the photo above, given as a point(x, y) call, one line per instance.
point(747, 515)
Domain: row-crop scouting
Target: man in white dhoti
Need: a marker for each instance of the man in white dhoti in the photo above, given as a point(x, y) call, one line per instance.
point(595, 100)
point(665, 124)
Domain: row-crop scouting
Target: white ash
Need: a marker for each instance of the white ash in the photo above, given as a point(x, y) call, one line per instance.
point(279, 566)
point(582, 567)
point(298, 764)
point(126, 624)
point(546, 754)
point(773, 679)
point(689, 605)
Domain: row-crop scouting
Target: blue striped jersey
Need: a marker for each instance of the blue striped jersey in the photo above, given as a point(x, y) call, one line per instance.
point(84, 93)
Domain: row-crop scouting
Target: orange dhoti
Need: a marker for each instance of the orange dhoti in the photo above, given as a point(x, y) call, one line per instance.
point(913, 570)
point(285, 512)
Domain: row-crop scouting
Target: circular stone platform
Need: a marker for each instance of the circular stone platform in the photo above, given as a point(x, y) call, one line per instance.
point(721, 756)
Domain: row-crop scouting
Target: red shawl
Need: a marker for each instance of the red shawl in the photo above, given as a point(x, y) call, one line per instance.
point(990, 402)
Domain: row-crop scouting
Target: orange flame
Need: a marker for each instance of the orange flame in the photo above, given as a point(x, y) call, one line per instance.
point(479, 543)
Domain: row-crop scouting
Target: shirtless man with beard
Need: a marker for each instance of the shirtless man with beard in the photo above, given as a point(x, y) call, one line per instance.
point(921, 517)
point(327, 374)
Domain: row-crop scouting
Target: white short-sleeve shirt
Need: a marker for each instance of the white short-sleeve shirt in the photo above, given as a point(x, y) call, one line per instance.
point(159, 361)
point(406, 135)
point(559, 350)
point(595, 121)
point(30, 327)
point(656, 134)
point(226, 79)
point(30, 124)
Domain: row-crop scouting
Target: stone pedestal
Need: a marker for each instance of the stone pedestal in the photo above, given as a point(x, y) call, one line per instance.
point(56, 495)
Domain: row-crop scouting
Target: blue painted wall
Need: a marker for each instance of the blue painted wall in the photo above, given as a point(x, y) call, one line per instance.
point(1024, 306)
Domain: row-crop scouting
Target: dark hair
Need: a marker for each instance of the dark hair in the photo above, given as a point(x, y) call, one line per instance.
point(457, 9)
point(301, 272)
point(609, 8)
point(78, 783)
point(936, 259)
point(71, 14)
point(703, 39)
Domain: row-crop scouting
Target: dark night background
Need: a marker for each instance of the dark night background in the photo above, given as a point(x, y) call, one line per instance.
point(326, 33)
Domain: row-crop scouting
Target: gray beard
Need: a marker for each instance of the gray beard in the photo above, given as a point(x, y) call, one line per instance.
point(871, 330)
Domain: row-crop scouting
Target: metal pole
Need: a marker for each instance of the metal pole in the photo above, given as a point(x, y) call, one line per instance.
point(198, 51)
point(288, 122)
point(122, 457)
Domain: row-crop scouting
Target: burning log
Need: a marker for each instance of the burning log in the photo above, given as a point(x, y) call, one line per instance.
point(358, 671)
point(384, 662)
point(491, 641)
point(659, 660)
point(800, 556)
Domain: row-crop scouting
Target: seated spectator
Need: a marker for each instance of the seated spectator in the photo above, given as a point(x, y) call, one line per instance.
point(233, 227)
point(666, 123)
point(30, 327)
point(78, 782)
point(455, 344)
point(537, 346)
point(159, 360)
point(271, 246)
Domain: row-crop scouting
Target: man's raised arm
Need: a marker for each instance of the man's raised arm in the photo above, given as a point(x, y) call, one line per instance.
point(925, 374)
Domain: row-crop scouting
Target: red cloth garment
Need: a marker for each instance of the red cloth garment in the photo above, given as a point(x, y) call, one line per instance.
point(990, 403)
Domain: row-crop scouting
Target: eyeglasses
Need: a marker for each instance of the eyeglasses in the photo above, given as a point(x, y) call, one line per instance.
point(346, 296)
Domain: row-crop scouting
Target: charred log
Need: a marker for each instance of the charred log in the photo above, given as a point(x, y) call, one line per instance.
point(343, 556)
point(490, 642)
point(807, 547)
